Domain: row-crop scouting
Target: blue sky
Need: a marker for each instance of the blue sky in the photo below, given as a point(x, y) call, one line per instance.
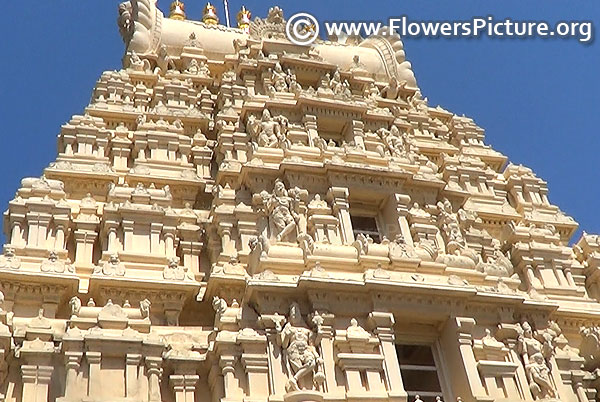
point(539, 100)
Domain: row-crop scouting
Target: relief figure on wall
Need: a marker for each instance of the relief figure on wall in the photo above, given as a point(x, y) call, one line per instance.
point(536, 356)
point(304, 364)
point(268, 132)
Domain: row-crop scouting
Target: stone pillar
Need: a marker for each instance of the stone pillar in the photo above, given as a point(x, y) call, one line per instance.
point(73, 365)
point(38, 228)
point(17, 231)
point(395, 211)
point(120, 151)
point(457, 344)
point(177, 383)
point(383, 324)
point(256, 365)
point(190, 252)
point(202, 155)
point(577, 378)
point(338, 196)
point(227, 243)
point(184, 380)
point(325, 334)
point(310, 123)
point(128, 226)
point(155, 231)
point(111, 227)
point(84, 248)
point(169, 235)
point(508, 333)
point(357, 133)
point(36, 382)
point(95, 379)
point(277, 378)
point(153, 367)
point(60, 232)
point(132, 362)
point(230, 385)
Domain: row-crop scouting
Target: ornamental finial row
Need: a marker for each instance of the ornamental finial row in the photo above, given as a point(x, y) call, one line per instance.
point(209, 15)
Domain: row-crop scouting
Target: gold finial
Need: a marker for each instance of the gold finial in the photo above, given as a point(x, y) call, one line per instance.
point(210, 16)
point(243, 19)
point(177, 11)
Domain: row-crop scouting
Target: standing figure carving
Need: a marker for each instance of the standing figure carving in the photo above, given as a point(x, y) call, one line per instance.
point(536, 356)
point(300, 350)
point(448, 222)
point(283, 213)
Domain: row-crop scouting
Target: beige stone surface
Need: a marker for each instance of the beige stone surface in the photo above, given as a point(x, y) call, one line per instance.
point(236, 218)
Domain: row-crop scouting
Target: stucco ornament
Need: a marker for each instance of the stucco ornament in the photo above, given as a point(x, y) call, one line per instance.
point(300, 352)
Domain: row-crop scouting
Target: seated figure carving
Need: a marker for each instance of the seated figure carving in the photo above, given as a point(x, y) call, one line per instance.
point(270, 131)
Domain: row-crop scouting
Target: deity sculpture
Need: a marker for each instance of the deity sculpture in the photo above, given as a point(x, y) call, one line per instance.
point(137, 64)
point(357, 67)
point(75, 305)
point(449, 224)
point(535, 355)
point(498, 263)
point(278, 78)
point(283, 213)
point(399, 248)
point(270, 131)
point(145, 308)
point(341, 89)
point(300, 351)
point(198, 68)
point(392, 89)
point(164, 61)
point(334, 86)
point(418, 103)
point(292, 82)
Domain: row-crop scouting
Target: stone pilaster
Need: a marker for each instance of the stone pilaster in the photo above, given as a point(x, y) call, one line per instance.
point(383, 327)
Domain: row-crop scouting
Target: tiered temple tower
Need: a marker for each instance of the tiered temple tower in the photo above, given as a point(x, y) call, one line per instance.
point(238, 218)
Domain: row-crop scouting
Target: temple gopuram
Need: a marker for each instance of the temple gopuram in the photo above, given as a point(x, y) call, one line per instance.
point(238, 218)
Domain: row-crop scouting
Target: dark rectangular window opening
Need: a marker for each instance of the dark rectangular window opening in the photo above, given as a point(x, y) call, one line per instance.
point(419, 372)
point(367, 226)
